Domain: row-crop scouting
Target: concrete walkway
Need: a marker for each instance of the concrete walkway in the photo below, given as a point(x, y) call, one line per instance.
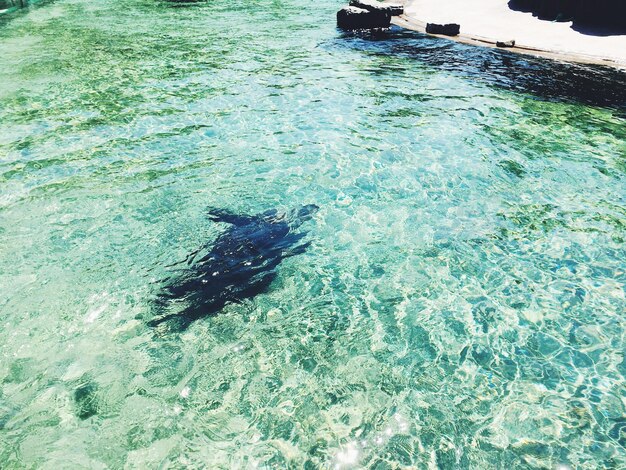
point(484, 22)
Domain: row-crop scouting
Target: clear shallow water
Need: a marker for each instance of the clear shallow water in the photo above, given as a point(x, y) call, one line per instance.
point(462, 303)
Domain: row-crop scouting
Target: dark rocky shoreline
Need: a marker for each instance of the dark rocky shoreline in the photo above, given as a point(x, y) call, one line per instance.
point(367, 14)
point(597, 13)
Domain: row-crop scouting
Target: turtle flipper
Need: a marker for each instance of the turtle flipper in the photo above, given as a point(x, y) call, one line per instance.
point(222, 215)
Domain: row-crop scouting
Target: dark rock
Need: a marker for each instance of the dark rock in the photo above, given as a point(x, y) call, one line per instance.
point(373, 5)
point(359, 18)
point(545, 9)
point(396, 10)
point(510, 43)
point(369, 5)
point(598, 13)
point(451, 29)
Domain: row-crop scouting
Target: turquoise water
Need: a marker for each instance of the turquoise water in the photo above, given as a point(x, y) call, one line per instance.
point(462, 302)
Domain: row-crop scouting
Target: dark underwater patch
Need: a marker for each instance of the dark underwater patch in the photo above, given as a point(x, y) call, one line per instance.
point(512, 167)
point(546, 79)
point(240, 264)
point(85, 399)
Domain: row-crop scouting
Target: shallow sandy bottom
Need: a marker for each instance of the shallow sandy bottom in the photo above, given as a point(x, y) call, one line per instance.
point(493, 20)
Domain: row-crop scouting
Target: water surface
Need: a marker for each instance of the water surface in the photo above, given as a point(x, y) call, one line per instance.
point(462, 302)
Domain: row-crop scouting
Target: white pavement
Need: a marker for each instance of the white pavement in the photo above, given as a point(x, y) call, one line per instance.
point(493, 20)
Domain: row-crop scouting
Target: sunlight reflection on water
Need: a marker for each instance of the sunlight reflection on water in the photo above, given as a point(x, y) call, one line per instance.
point(461, 304)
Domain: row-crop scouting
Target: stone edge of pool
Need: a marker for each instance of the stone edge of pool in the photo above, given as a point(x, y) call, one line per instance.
point(410, 22)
